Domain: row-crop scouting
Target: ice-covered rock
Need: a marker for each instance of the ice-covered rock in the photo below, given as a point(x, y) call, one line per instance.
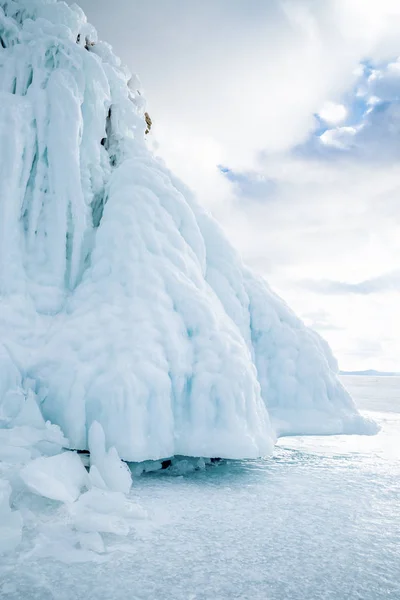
point(121, 300)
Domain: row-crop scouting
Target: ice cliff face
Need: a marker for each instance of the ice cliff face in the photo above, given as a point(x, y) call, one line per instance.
point(121, 301)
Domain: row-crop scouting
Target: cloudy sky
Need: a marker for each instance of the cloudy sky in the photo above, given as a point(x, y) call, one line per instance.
point(284, 117)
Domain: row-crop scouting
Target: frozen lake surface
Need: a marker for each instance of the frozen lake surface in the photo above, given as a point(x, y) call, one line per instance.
point(318, 520)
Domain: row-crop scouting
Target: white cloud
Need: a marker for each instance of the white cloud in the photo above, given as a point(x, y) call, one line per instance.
point(249, 76)
point(340, 137)
point(388, 282)
point(333, 113)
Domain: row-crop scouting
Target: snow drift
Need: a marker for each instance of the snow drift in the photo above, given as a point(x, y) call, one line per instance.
point(121, 300)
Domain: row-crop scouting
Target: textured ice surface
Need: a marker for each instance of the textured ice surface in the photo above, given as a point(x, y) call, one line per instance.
point(318, 521)
point(121, 300)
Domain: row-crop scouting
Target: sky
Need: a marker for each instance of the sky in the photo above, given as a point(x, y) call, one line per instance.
point(284, 117)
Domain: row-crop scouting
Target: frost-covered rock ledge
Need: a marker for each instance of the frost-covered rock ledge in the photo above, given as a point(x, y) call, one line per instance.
point(124, 311)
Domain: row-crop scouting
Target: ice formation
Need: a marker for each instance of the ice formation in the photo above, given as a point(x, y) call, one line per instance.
point(121, 300)
point(128, 324)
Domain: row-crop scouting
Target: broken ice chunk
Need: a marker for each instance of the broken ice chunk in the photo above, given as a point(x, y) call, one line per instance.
point(112, 471)
point(10, 521)
point(61, 477)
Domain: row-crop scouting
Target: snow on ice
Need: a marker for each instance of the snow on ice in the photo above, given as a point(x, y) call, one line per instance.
point(128, 323)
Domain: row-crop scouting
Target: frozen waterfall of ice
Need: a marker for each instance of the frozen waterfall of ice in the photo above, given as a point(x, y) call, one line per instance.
point(121, 301)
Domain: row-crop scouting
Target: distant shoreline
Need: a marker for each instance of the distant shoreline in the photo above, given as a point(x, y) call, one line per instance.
point(371, 373)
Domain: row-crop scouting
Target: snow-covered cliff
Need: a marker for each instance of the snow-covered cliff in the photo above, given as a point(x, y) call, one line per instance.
point(121, 301)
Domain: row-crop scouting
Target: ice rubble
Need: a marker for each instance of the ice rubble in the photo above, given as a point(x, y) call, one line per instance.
point(87, 504)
